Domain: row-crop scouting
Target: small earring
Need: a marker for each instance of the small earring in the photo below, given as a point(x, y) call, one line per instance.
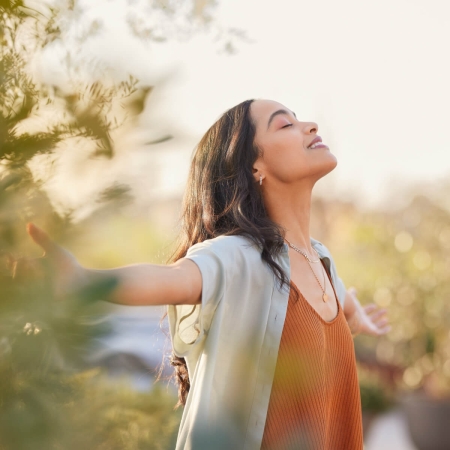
point(260, 180)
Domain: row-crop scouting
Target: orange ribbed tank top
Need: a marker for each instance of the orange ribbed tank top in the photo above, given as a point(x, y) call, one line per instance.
point(315, 400)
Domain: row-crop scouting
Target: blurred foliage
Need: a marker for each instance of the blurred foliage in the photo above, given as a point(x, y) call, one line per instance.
point(40, 120)
point(84, 410)
point(47, 398)
point(376, 395)
point(399, 259)
point(164, 19)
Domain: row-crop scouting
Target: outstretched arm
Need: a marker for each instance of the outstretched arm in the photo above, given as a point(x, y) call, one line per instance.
point(153, 284)
point(368, 319)
point(137, 284)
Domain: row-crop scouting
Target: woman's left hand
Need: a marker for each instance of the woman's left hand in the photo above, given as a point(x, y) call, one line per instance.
point(369, 319)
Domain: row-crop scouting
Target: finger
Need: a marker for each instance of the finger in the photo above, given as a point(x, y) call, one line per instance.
point(41, 238)
point(376, 315)
point(375, 332)
point(381, 323)
point(368, 309)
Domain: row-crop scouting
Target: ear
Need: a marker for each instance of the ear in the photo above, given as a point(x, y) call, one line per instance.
point(257, 170)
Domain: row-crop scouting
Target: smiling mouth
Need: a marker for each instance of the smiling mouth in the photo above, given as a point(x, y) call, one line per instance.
point(318, 145)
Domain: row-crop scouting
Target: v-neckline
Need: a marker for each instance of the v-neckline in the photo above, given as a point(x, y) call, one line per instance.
point(312, 307)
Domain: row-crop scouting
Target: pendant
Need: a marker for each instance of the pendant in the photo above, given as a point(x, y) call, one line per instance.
point(325, 297)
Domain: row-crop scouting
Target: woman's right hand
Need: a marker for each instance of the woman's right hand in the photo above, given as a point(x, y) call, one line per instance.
point(67, 273)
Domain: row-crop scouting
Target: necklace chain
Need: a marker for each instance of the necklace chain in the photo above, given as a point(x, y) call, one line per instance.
point(323, 288)
point(299, 250)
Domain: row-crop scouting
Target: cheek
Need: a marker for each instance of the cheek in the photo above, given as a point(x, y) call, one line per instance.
point(284, 145)
point(284, 163)
point(287, 151)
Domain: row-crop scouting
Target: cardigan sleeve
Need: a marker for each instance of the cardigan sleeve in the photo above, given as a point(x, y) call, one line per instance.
point(190, 323)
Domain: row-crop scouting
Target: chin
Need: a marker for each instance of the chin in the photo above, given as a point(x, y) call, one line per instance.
point(333, 162)
point(328, 166)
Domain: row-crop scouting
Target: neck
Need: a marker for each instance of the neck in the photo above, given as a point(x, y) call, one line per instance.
point(291, 208)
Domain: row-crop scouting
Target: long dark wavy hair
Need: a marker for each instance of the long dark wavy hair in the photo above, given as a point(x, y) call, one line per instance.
point(222, 198)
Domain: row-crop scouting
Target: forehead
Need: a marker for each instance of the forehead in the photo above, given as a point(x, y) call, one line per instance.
point(260, 110)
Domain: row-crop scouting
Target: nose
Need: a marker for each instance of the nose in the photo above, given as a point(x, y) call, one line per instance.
point(311, 128)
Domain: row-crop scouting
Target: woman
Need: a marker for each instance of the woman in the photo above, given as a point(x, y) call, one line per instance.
point(261, 324)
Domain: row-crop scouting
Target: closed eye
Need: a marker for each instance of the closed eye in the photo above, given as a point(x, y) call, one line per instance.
point(288, 125)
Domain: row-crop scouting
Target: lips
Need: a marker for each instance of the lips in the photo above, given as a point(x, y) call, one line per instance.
point(316, 142)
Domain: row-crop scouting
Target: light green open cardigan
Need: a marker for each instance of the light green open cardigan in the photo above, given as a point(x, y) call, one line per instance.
point(231, 342)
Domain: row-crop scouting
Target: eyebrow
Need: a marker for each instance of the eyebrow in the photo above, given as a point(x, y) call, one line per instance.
point(277, 113)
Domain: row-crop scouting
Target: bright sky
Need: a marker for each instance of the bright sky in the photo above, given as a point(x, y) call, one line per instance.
point(373, 75)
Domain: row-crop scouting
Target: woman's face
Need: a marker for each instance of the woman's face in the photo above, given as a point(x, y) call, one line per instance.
point(292, 150)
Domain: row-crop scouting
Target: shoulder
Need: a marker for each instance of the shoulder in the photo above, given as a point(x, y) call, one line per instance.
point(321, 249)
point(226, 245)
point(227, 257)
point(323, 253)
